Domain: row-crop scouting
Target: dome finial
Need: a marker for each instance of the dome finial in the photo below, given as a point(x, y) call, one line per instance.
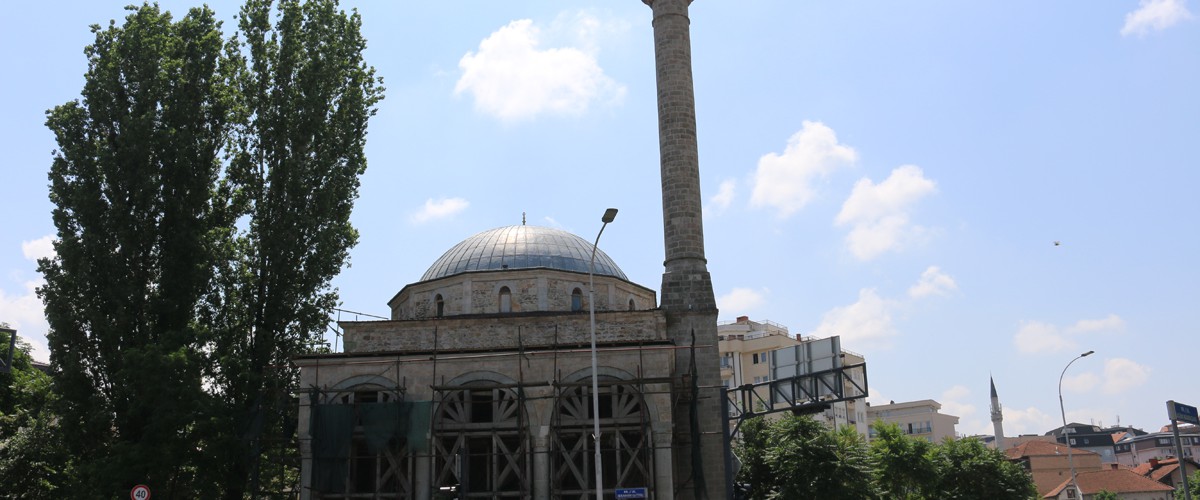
point(522, 218)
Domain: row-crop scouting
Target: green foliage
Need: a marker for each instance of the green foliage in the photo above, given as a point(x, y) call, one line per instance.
point(752, 451)
point(834, 464)
point(967, 469)
point(1193, 487)
point(33, 461)
point(1105, 495)
point(904, 466)
point(131, 183)
point(203, 189)
point(797, 457)
point(305, 96)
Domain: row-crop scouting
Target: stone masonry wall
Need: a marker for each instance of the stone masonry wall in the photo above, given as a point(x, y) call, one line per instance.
point(503, 331)
point(531, 290)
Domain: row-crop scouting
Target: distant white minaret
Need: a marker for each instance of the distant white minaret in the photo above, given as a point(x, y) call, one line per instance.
point(997, 417)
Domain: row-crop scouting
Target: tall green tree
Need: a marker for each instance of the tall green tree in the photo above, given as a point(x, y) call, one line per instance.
point(967, 470)
point(798, 457)
point(132, 186)
point(305, 97)
point(904, 466)
point(803, 459)
point(203, 190)
point(751, 450)
point(33, 461)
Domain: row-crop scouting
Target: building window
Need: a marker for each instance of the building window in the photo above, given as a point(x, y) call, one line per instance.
point(439, 306)
point(505, 300)
point(755, 358)
point(577, 300)
point(632, 306)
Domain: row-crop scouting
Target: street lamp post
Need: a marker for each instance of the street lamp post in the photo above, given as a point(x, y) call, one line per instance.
point(609, 215)
point(1063, 410)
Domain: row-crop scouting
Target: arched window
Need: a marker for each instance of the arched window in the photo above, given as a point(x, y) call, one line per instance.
point(377, 460)
point(577, 300)
point(439, 305)
point(625, 445)
point(632, 305)
point(480, 442)
point(505, 300)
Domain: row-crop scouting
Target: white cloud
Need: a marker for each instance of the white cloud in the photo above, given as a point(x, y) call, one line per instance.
point(1155, 15)
point(953, 402)
point(741, 300)
point(1122, 374)
point(878, 213)
point(876, 398)
point(1112, 322)
point(24, 311)
point(1027, 421)
point(1083, 382)
point(512, 78)
point(933, 282)
point(724, 197)
point(40, 248)
point(866, 322)
point(1038, 337)
point(439, 209)
point(784, 182)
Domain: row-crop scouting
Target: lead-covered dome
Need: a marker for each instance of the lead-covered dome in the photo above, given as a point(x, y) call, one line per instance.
point(521, 247)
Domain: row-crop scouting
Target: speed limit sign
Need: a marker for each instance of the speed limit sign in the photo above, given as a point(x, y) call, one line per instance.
point(140, 492)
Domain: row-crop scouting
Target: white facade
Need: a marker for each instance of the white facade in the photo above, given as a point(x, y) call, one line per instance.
point(916, 418)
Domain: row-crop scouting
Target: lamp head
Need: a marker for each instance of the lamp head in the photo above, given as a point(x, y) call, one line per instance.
point(609, 215)
point(1086, 354)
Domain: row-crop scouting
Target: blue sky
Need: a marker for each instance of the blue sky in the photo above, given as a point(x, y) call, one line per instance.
point(896, 173)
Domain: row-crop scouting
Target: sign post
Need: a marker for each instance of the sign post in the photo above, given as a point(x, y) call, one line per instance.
point(630, 493)
point(1181, 412)
point(140, 492)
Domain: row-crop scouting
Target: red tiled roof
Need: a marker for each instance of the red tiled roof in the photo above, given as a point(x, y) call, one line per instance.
point(1165, 467)
point(1116, 481)
point(1042, 448)
point(1164, 471)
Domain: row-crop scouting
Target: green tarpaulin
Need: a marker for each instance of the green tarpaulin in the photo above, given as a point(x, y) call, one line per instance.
point(384, 425)
point(332, 429)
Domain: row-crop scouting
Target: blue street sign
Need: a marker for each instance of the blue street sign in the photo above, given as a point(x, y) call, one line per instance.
point(623, 493)
point(1183, 413)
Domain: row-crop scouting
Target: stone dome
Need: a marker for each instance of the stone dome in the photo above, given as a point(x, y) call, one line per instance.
point(522, 247)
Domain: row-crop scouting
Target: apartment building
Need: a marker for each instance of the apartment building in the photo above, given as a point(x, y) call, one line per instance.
point(755, 352)
point(1135, 450)
point(921, 418)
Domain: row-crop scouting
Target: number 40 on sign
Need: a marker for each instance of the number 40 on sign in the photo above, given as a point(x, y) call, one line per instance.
point(140, 492)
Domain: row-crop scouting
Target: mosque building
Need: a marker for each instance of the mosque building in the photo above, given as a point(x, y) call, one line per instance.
point(480, 385)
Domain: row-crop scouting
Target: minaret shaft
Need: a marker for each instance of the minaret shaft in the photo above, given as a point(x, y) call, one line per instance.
point(687, 294)
point(997, 418)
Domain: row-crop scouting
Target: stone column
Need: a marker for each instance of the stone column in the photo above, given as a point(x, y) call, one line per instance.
point(422, 472)
point(541, 463)
point(663, 469)
point(687, 294)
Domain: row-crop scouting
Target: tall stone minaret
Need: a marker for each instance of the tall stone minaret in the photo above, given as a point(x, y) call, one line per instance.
point(687, 294)
point(997, 417)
